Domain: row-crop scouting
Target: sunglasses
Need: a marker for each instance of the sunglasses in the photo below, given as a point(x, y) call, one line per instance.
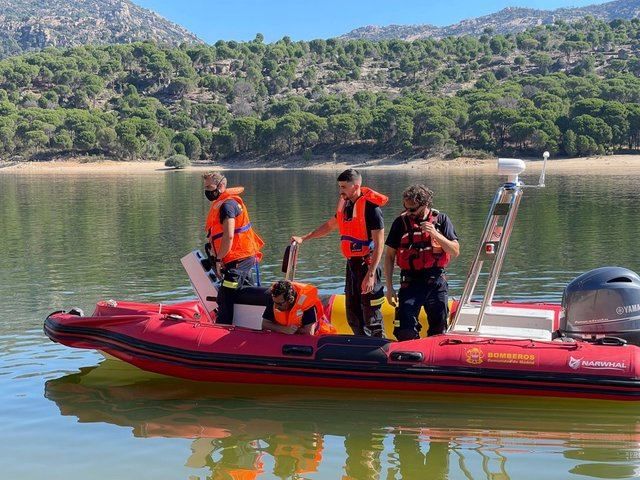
point(279, 304)
point(413, 210)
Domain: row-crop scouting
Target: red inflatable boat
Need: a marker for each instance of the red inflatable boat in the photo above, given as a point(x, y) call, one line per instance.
point(175, 341)
point(579, 349)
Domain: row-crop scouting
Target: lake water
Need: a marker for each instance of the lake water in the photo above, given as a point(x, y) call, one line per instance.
point(72, 240)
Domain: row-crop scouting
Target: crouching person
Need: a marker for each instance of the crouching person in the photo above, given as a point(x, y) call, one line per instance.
point(295, 308)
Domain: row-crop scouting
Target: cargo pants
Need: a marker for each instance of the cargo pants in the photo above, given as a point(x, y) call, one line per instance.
point(363, 310)
point(416, 292)
point(235, 276)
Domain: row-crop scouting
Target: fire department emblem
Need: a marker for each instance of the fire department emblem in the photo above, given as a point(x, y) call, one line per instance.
point(475, 356)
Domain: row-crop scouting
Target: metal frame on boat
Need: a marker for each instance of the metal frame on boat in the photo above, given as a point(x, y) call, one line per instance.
point(483, 317)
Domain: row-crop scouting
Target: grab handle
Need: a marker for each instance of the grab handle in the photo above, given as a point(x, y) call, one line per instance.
point(612, 341)
point(290, 261)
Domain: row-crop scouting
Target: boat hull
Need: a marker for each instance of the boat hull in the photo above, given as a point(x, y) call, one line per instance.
point(177, 345)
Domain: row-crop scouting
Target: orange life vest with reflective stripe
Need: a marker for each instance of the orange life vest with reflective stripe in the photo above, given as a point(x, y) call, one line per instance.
point(246, 242)
point(306, 298)
point(354, 238)
point(417, 250)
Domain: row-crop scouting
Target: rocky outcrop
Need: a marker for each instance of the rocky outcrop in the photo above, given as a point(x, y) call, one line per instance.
point(27, 25)
point(508, 20)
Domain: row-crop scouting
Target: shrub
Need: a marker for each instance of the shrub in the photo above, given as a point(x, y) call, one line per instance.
point(177, 161)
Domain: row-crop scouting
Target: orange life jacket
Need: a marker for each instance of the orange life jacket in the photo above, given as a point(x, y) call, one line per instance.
point(246, 473)
point(354, 238)
point(306, 298)
point(238, 474)
point(246, 242)
point(417, 250)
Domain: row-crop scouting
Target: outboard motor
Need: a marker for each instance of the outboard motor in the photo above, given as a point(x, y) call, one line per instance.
point(603, 304)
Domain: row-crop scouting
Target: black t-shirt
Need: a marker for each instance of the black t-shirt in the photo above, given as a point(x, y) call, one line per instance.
point(443, 225)
point(229, 209)
point(309, 316)
point(372, 216)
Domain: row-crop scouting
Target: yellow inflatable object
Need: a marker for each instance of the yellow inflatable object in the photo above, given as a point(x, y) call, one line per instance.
point(339, 317)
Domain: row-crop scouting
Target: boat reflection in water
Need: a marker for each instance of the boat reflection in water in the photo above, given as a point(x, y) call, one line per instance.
point(242, 432)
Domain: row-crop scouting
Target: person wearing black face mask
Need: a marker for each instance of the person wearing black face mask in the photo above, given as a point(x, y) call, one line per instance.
point(421, 241)
point(234, 243)
point(212, 194)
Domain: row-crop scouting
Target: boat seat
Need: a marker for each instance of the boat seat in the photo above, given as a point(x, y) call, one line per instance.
point(253, 296)
point(249, 306)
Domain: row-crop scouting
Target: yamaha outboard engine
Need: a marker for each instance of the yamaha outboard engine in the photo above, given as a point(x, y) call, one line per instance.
point(601, 304)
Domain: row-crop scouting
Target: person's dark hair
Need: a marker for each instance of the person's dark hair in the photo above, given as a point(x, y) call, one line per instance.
point(419, 194)
point(350, 175)
point(284, 288)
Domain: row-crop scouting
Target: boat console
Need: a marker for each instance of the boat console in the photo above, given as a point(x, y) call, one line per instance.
point(250, 304)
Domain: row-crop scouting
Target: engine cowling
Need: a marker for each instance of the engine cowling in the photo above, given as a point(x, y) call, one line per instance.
point(601, 303)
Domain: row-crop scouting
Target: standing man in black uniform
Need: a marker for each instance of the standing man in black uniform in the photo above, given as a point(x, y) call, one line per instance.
point(361, 225)
point(234, 243)
point(421, 241)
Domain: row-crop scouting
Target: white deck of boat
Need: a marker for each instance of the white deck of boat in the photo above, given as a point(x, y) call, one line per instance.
point(508, 322)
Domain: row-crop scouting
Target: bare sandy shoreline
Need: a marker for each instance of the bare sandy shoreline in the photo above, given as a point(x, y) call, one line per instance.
point(606, 165)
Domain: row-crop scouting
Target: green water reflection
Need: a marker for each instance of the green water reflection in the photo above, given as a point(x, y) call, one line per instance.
point(249, 432)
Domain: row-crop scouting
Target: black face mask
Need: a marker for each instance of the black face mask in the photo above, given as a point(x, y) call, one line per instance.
point(212, 194)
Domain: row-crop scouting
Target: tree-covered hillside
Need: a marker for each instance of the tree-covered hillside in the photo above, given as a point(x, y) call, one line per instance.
point(569, 88)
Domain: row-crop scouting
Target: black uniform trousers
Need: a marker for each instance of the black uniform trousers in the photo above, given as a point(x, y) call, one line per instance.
point(421, 290)
point(235, 276)
point(363, 310)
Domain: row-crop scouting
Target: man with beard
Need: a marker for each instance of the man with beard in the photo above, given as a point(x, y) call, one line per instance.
point(421, 241)
point(359, 220)
point(295, 307)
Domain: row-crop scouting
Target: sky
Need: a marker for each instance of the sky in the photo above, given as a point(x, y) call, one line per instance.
point(213, 20)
